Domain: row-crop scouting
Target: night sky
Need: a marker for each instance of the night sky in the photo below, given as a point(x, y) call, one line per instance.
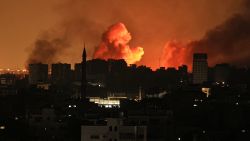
point(169, 31)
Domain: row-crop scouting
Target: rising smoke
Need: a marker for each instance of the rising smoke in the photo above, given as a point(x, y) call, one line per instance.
point(47, 49)
point(228, 42)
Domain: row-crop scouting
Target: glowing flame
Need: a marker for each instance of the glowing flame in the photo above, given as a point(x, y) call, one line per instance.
point(175, 54)
point(114, 45)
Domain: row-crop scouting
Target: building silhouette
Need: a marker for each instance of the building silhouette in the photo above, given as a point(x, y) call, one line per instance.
point(78, 72)
point(38, 73)
point(61, 74)
point(183, 74)
point(221, 73)
point(200, 68)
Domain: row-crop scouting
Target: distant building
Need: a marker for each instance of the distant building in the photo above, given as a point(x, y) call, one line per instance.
point(61, 74)
point(7, 79)
point(97, 66)
point(116, 66)
point(183, 69)
point(38, 73)
point(7, 84)
point(113, 130)
point(221, 73)
point(200, 68)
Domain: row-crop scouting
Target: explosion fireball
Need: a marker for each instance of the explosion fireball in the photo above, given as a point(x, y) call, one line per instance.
point(176, 53)
point(114, 45)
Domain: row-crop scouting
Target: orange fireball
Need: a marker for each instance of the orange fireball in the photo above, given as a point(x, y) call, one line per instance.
point(114, 45)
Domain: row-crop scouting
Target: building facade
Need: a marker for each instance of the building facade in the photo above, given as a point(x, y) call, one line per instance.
point(200, 68)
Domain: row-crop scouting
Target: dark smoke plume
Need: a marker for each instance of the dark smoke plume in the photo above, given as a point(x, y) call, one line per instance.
point(229, 42)
point(47, 49)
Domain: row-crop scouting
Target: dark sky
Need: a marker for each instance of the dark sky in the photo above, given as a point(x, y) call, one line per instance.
point(66, 24)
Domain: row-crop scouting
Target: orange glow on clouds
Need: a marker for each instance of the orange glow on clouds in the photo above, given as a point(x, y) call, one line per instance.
point(176, 53)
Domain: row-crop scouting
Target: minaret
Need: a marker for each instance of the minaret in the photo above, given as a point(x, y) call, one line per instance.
point(84, 81)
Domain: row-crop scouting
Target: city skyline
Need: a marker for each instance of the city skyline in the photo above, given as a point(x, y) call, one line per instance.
point(124, 70)
point(25, 69)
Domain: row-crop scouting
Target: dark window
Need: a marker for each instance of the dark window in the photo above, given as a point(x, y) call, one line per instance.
point(115, 128)
point(110, 128)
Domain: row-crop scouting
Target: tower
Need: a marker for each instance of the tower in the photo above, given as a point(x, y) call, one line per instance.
point(84, 81)
point(200, 68)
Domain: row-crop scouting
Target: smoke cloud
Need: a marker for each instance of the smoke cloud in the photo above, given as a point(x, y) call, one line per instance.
point(47, 49)
point(228, 42)
point(152, 23)
point(114, 45)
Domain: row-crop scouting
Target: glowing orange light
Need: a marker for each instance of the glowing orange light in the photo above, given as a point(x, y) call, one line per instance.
point(114, 45)
point(175, 54)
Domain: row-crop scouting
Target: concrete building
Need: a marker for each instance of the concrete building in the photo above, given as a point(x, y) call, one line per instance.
point(114, 130)
point(38, 73)
point(200, 68)
point(61, 74)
